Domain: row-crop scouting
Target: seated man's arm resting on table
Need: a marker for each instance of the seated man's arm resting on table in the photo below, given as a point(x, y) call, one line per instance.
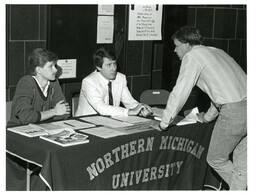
point(130, 102)
point(59, 104)
point(60, 109)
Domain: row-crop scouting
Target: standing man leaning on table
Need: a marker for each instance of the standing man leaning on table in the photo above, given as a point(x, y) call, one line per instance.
point(218, 75)
point(94, 96)
point(38, 96)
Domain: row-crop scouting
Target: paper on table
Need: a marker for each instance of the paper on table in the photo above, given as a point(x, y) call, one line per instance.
point(28, 131)
point(186, 121)
point(50, 128)
point(192, 114)
point(103, 132)
point(46, 126)
point(105, 121)
point(75, 124)
point(190, 117)
point(131, 119)
point(158, 112)
point(66, 137)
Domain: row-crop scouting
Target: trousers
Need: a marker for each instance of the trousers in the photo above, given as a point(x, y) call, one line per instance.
point(229, 138)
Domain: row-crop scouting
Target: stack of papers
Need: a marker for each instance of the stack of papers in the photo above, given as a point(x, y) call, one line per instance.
point(190, 116)
point(52, 132)
point(105, 121)
point(103, 132)
point(131, 119)
point(74, 124)
point(28, 131)
point(34, 130)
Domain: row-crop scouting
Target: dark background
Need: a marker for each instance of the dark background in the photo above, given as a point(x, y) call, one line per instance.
point(70, 31)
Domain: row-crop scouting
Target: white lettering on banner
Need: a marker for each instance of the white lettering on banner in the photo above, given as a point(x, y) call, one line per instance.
point(120, 153)
point(181, 144)
point(145, 175)
point(139, 146)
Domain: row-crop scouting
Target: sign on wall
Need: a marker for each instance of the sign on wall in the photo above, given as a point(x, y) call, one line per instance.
point(68, 68)
point(105, 24)
point(145, 22)
point(105, 29)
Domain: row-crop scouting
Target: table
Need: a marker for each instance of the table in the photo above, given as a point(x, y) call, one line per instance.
point(171, 160)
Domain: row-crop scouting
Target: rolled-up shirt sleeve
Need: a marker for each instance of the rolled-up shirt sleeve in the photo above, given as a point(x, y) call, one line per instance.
point(211, 113)
point(188, 75)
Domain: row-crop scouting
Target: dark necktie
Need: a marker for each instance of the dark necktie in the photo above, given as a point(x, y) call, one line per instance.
point(110, 93)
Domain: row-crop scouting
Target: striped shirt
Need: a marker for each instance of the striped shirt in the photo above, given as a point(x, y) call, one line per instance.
point(213, 71)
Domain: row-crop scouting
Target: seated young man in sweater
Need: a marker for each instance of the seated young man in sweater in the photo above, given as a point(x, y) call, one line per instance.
point(38, 96)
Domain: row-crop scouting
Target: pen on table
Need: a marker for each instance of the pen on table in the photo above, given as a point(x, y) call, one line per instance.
point(68, 124)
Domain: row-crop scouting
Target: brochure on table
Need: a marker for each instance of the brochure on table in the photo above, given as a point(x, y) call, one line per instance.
point(66, 137)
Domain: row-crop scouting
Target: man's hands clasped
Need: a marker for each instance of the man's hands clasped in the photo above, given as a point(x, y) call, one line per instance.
point(61, 108)
point(142, 109)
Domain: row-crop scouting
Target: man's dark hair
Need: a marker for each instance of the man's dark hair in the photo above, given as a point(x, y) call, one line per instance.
point(100, 54)
point(39, 57)
point(188, 34)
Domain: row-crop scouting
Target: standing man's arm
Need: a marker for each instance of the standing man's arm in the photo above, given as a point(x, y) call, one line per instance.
point(210, 115)
point(59, 110)
point(188, 75)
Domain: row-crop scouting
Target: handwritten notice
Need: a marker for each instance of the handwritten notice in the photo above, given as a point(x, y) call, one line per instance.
point(105, 29)
point(106, 9)
point(145, 22)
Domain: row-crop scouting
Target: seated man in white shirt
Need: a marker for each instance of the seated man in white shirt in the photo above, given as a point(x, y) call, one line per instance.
point(95, 96)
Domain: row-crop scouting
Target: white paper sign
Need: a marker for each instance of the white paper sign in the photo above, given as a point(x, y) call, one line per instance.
point(106, 9)
point(68, 67)
point(145, 22)
point(105, 29)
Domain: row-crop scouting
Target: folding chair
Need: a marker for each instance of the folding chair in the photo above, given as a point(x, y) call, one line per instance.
point(74, 103)
point(8, 110)
point(154, 97)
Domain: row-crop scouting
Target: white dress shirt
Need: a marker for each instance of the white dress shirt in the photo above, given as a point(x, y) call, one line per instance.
point(45, 90)
point(94, 97)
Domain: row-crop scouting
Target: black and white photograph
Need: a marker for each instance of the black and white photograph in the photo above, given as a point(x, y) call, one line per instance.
point(153, 96)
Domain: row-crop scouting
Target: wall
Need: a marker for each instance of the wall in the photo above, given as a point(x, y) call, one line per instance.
point(223, 26)
point(26, 30)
